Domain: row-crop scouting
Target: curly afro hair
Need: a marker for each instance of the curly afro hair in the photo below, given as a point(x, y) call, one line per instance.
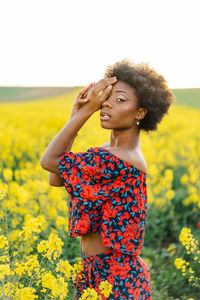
point(151, 89)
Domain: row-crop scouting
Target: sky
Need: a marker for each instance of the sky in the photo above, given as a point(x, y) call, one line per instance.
point(71, 43)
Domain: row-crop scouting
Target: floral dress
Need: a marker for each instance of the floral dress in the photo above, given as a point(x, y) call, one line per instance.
point(107, 195)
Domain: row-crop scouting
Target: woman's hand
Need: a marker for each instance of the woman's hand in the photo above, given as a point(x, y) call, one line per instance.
point(80, 99)
point(98, 93)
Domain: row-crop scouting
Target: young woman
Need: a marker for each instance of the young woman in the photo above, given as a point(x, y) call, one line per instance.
point(107, 184)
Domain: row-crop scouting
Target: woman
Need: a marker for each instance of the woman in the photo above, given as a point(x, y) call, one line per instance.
point(107, 184)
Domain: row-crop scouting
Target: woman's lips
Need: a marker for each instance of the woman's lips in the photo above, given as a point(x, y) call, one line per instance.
point(105, 118)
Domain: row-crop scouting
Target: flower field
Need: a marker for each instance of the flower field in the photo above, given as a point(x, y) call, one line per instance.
point(37, 258)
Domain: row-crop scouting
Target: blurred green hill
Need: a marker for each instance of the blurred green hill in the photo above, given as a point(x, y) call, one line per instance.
point(188, 97)
point(14, 94)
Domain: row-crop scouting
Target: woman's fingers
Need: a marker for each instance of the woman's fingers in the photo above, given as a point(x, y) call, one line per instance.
point(102, 88)
point(105, 93)
point(103, 83)
point(84, 90)
point(98, 87)
point(83, 95)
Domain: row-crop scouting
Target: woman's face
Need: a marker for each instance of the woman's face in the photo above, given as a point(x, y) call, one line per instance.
point(121, 105)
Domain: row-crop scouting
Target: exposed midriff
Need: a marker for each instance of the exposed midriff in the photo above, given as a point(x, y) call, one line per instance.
point(91, 244)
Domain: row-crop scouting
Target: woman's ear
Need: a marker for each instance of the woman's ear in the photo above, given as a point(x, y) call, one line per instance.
point(141, 113)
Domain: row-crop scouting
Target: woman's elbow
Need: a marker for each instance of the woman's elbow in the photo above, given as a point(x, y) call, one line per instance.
point(50, 165)
point(55, 180)
point(44, 163)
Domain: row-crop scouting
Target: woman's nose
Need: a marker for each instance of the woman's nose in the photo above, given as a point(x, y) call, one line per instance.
point(107, 102)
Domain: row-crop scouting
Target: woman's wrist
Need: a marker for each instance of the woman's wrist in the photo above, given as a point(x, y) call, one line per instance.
point(73, 112)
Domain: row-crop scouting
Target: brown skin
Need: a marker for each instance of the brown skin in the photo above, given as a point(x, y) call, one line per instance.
point(124, 142)
point(122, 106)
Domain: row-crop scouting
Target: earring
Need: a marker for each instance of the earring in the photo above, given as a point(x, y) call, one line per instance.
point(137, 122)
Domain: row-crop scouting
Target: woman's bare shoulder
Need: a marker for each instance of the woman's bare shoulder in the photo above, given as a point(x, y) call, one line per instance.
point(134, 158)
point(106, 145)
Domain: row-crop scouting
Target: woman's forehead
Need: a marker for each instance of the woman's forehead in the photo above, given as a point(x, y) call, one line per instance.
point(123, 86)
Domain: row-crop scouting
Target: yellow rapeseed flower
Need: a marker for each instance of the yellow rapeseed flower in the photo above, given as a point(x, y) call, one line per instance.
point(77, 270)
point(5, 258)
point(89, 294)
point(31, 226)
point(170, 194)
point(58, 287)
point(52, 247)
point(188, 240)
point(13, 235)
point(26, 293)
point(179, 263)
point(3, 242)
point(43, 246)
point(61, 223)
point(7, 174)
point(5, 270)
point(184, 179)
point(105, 288)
point(65, 268)
point(9, 289)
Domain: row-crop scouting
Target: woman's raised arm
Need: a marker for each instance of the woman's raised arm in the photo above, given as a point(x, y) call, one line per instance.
point(50, 159)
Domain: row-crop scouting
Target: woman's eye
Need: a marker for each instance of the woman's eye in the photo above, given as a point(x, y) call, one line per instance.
point(118, 99)
point(121, 99)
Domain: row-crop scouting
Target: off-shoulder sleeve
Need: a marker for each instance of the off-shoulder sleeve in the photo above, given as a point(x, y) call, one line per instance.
point(83, 174)
point(90, 167)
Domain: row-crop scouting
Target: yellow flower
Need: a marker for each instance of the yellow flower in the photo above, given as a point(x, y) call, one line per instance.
point(169, 174)
point(184, 179)
point(61, 223)
point(9, 289)
point(188, 240)
point(58, 287)
point(26, 293)
point(20, 268)
point(3, 242)
point(7, 174)
point(4, 270)
point(65, 268)
point(5, 258)
point(13, 235)
point(29, 266)
point(3, 189)
point(52, 247)
point(77, 270)
point(43, 246)
point(179, 263)
point(89, 294)
point(105, 288)
point(170, 194)
point(32, 225)
point(47, 280)
point(190, 270)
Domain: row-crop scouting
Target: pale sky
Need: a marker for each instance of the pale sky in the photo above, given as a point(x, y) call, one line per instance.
point(68, 43)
